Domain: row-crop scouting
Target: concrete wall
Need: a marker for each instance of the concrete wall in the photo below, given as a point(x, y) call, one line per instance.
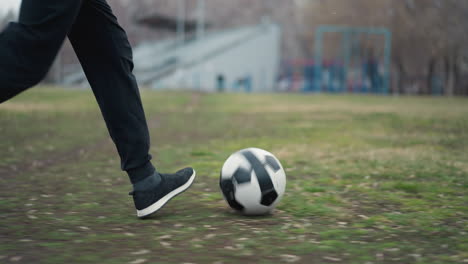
point(255, 56)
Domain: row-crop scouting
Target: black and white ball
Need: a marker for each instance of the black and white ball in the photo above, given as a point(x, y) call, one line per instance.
point(253, 181)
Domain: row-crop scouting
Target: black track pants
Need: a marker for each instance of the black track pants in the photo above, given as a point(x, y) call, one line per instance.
point(29, 47)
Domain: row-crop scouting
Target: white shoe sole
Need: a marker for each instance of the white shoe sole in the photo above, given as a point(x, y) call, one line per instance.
point(161, 202)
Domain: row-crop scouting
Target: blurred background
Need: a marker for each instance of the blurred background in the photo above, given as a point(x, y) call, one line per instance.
point(335, 46)
point(371, 179)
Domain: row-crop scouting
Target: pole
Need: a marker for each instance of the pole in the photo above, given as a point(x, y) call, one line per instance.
point(201, 19)
point(347, 58)
point(181, 21)
point(318, 59)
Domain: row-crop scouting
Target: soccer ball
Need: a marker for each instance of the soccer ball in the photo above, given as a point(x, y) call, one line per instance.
point(252, 181)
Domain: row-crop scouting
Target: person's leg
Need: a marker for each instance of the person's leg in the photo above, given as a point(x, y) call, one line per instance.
point(28, 47)
point(106, 57)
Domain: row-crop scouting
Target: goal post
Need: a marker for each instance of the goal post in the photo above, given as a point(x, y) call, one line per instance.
point(366, 50)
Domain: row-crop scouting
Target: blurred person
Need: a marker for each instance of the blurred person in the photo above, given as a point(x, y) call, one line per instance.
point(372, 72)
point(27, 51)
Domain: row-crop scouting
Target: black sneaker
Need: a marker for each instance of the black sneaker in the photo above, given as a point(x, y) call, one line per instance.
point(150, 200)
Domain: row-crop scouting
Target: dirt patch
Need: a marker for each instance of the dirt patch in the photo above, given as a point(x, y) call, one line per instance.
point(55, 158)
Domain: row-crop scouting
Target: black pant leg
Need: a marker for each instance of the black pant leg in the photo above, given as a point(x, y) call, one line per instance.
point(106, 57)
point(28, 47)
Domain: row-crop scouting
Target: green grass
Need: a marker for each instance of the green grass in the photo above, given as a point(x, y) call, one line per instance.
point(370, 180)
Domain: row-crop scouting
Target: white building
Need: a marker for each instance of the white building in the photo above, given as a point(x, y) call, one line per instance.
point(244, 59)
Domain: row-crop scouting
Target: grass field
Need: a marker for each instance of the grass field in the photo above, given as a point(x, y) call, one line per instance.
point(370, 180)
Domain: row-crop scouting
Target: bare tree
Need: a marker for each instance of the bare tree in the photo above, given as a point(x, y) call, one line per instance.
point(428, 37)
